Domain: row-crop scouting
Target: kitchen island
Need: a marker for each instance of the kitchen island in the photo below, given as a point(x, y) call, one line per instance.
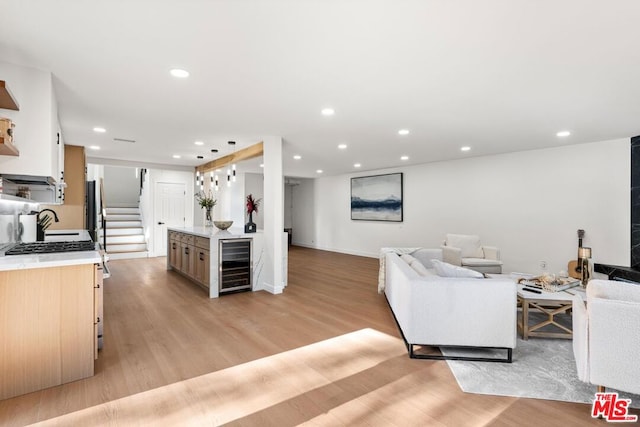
point(48, 319)
point(195, 252)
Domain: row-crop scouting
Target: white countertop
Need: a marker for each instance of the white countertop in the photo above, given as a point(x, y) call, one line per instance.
point(59, 259)
point(213, 232)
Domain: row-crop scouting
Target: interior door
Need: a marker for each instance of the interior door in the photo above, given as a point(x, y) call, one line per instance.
point(169, 211)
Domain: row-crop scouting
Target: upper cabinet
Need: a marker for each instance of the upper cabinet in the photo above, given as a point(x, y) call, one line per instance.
point(7, 102)
point(36, 122)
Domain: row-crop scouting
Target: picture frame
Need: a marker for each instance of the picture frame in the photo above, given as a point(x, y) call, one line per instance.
point(377, 197)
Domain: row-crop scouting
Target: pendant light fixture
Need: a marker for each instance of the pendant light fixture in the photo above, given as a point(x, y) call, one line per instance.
point(233, 166)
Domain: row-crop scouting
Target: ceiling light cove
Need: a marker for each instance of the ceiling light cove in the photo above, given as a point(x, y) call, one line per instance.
point(403, 132)
point(563, 133)
point(357, 165)
point(99, 129)
point(176, 156)
point(465, 148)
point(342, 146)
point(199, 143)
point(297, 157)
point(404, 158)
point(328, 111)
point(179, 73)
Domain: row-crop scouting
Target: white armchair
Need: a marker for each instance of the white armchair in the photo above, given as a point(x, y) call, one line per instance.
point(606, 342)
point(466, 251)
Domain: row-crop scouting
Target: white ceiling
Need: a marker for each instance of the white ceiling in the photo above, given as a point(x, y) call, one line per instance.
point(496, 75)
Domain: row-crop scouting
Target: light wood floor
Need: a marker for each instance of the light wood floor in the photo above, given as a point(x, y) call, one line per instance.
point(325, 352)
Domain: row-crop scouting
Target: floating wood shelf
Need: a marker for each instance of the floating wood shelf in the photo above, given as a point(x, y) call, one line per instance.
point(7, 148)
point(7, 100)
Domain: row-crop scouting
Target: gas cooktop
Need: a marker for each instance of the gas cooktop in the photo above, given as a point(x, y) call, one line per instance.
point(51, 247)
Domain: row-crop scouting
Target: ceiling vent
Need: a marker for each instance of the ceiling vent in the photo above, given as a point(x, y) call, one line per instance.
point(124, 140)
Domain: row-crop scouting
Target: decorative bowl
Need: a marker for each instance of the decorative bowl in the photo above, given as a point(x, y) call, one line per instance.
point(222, 225)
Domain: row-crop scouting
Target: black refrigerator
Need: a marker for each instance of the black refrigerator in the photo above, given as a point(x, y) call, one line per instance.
point(92, 210)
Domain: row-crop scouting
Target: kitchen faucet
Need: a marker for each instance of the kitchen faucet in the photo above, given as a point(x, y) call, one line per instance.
point(55, 216)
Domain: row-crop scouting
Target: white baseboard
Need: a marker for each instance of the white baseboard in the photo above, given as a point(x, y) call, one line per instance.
point(275, 290)
point(342, 251)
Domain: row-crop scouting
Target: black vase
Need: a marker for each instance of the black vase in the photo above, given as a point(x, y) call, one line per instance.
point(250, 227)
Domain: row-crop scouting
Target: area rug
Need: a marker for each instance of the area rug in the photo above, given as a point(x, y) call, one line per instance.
point(541, 369)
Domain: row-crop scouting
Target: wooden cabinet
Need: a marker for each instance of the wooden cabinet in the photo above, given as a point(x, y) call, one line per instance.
point(175, 254)
point(187, 266)
point(47, 327)
point(202, 261)
point(189, 255)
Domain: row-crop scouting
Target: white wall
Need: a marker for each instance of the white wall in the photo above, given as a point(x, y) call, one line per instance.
point(121, 186)
point(529, 204)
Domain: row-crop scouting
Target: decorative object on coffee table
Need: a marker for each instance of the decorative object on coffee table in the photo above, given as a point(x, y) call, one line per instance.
point(207, 202)
point(252, 206)
point(583, 257)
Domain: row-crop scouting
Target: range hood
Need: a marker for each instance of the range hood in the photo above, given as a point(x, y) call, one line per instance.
point(28, 179)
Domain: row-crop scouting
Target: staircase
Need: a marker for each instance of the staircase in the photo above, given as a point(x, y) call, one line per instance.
point(125, 235)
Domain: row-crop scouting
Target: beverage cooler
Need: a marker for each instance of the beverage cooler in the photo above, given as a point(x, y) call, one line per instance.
point(235, 265)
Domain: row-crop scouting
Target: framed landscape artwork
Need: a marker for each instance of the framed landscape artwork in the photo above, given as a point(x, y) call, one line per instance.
point(377, 198)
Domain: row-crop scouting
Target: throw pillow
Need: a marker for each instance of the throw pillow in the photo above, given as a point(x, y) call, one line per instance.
point(426, 255)
point(468, 244)
point(449, 270)
point(407, 258)
point(419, 268)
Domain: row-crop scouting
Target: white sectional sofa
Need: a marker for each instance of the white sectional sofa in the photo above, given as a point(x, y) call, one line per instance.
point(448, 311)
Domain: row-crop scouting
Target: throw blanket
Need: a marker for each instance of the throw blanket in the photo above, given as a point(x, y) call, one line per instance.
point(381, 272)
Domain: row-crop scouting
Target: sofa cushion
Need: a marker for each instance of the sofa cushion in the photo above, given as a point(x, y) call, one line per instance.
point(426, 255)
point(419, 268)
point(449, 270)
point(480, 262)
point(407, 258)
point(468, 244)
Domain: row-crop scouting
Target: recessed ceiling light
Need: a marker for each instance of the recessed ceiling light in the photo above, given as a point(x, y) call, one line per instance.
point(181, 74)
point(261, 165)
point(328, 111)
point(99, 129)
point(563, 133)
point(200, 157)
point(465, 148)
point(214, 150)
point(319, 171)
point(199, 143)
point(356, 165)
point(297, 157)
point(94, 147)
point(342, 146)
point(176, 156)
point(403, 132)
point(404, 158)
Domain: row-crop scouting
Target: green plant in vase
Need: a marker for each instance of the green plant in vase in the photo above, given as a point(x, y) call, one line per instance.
point(207, 202)
point(252, 206)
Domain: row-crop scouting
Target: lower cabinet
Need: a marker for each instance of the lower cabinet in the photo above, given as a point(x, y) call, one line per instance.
point(202, 266)
point(48, 326)
point(189, 255)
point(175, 254)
